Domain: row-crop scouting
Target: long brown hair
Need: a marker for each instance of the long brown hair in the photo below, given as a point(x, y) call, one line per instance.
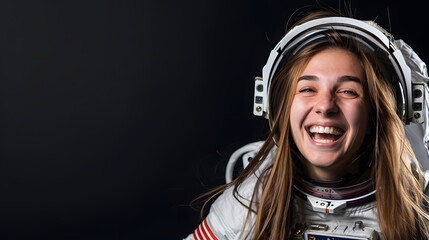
point(399, 192)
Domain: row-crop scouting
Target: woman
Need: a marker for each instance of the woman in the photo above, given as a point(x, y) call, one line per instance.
point(337, 156)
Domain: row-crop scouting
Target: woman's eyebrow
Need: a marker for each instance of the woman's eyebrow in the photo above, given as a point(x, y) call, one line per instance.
point(350, 78)
point(341, 79)
point(308, 77)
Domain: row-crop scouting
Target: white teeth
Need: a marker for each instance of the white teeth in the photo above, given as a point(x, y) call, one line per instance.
point(326, 130)
point(323, 140)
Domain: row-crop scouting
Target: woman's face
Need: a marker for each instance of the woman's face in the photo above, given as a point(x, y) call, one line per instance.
point(329, 114)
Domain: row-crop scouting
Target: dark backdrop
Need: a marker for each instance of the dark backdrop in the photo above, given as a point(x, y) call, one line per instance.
point(115, 114)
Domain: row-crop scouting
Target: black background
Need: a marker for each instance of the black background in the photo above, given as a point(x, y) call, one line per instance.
point(116, 114)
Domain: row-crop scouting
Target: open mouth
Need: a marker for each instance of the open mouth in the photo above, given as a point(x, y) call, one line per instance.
point(323, 134)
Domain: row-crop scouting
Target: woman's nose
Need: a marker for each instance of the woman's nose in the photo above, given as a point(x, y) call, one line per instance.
point(326, 104)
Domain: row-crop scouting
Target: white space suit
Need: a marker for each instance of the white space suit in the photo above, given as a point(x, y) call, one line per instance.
point(227, 215)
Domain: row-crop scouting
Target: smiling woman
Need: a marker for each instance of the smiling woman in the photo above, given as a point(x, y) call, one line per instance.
point(329, 115)
point(337, 162)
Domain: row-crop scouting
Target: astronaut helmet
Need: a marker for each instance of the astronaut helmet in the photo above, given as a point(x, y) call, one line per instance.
point(406, 72)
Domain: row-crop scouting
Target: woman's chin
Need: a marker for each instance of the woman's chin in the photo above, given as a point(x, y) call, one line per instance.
point(323, 169)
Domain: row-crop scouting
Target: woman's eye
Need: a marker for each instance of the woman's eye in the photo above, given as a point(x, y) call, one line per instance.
point(349, 92)
point(306, 90)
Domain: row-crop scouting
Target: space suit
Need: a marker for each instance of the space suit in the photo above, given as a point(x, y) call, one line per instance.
point(357, 220)
point(334, 211)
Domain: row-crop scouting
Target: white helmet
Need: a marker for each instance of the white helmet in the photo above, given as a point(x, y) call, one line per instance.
point(408, 72)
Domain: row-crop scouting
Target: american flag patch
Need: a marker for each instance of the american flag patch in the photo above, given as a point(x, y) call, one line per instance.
point(203, 232)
